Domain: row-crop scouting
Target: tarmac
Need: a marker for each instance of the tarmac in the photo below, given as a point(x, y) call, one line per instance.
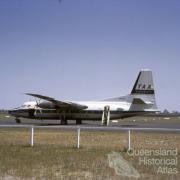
point(134, 123)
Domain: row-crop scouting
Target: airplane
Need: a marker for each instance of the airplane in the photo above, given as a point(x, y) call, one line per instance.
point(140, 101)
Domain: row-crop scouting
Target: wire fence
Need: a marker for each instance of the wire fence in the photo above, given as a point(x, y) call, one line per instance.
point(78, 129)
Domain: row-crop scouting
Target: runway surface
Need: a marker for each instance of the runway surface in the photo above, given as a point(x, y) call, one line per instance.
point(134, 123)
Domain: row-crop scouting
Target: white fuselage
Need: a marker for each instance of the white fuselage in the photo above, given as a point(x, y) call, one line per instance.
point(93, 112)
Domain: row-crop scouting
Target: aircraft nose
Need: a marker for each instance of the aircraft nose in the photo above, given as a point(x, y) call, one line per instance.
point(12, 112)
point(9, 111)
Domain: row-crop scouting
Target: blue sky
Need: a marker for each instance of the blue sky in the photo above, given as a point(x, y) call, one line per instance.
point(88, 49)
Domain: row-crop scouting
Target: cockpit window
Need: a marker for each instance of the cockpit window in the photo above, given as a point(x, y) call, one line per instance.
point(25, 106)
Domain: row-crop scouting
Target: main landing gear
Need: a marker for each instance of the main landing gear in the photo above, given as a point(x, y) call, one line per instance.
point(78, 122)
point(63, 120)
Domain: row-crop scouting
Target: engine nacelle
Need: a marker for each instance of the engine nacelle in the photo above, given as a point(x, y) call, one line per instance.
point(46, 105)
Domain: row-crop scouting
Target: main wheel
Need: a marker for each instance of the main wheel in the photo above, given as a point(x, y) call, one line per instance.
point(64, 122)
point(78, 121)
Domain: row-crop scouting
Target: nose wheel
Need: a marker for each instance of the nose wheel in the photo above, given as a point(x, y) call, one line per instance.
point(18, 120)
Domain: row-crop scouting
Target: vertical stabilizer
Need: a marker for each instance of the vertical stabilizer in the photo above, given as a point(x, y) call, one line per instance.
point(144, 83)
point(142, 94)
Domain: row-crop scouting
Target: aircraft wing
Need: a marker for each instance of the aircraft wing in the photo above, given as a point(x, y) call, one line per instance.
point(60, 104)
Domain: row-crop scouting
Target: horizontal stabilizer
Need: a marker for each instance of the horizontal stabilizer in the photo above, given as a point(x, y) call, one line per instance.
point(138, 105)
point(138, 101)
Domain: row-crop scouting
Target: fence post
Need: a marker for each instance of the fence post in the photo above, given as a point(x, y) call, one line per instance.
point(129, 140)
point(32, 136)
point(78, 138)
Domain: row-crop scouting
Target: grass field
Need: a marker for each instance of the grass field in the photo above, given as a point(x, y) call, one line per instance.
point(55, 155)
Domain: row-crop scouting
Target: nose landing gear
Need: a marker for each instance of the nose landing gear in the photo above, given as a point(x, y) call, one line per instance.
point(18, 120)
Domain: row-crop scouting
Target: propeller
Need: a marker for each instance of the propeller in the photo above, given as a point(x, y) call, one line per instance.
point(38, 101)
point(37, 108)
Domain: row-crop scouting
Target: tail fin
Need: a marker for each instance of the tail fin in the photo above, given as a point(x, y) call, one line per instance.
point(142, 94)
point(144, 83)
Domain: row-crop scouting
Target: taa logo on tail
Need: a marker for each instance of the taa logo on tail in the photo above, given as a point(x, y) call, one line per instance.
point(144, 87)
